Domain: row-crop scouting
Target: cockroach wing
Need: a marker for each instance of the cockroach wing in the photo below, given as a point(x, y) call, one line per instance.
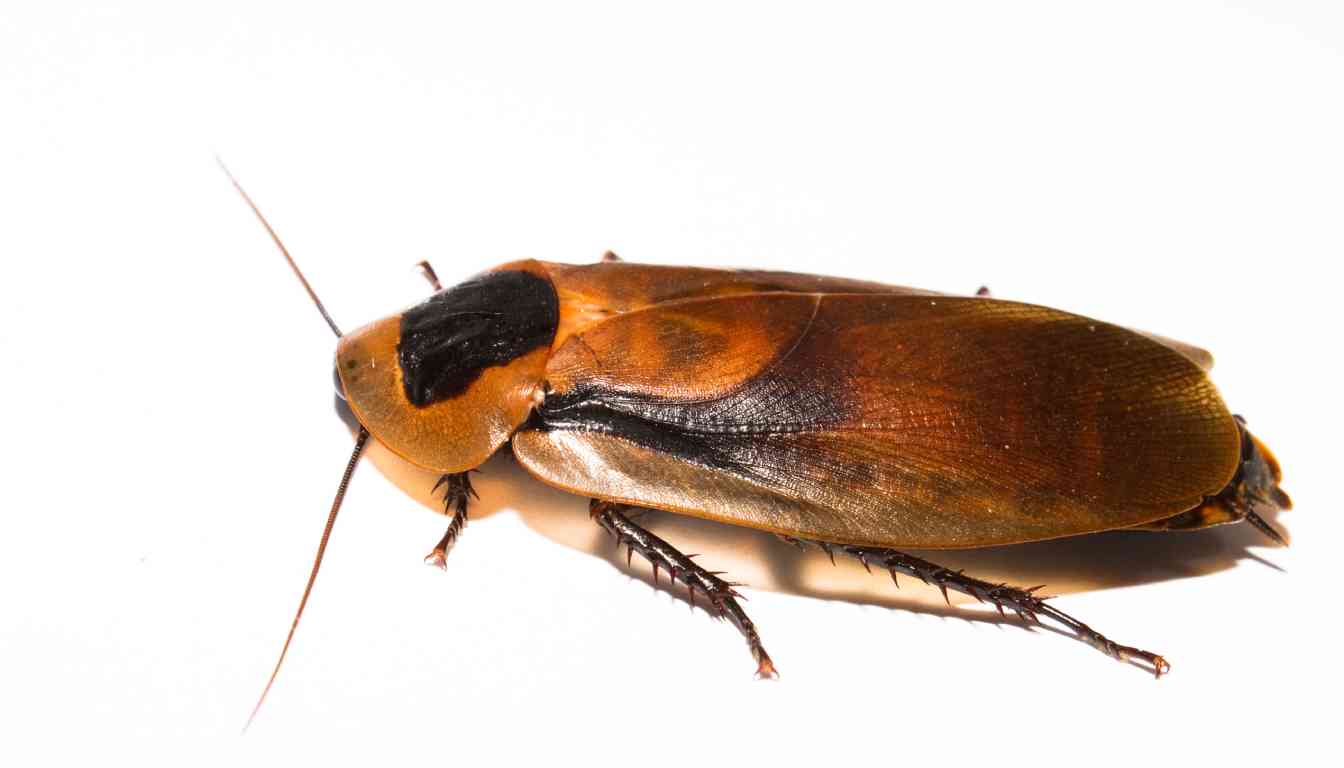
point(886, 420)
point(592, 292)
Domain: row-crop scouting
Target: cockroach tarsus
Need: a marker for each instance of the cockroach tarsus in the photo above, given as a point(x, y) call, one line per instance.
point(857, 417)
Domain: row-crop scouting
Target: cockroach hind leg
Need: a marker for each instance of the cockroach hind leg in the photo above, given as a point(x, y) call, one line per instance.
point(722, 595)
point(1024, 602)
point(457, 493)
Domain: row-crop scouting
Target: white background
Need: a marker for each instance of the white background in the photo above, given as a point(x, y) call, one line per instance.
point(171, 446)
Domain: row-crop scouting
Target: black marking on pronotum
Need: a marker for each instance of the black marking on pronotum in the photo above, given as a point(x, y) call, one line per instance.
point(450, 338)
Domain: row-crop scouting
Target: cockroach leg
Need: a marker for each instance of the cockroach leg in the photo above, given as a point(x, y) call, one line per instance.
point(456, 493)
point(1261, 525)
point(1024, 602)
point(721, 594)
point(430, 275)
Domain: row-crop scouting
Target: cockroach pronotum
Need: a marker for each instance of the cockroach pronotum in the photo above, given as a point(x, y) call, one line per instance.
point(859, 417)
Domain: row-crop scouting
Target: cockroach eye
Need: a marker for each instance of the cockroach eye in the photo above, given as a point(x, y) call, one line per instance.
point(336, 380)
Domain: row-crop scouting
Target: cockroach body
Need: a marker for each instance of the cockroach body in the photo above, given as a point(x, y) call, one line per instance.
point(862, 417)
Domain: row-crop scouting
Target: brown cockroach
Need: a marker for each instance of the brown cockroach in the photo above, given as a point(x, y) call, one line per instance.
point(862, 417)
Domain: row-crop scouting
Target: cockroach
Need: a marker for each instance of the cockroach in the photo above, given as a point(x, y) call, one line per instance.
point(863, 418)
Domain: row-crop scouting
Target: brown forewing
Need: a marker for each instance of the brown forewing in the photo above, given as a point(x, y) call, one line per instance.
point(897, 420)
point(590, 293)
point(593, 292)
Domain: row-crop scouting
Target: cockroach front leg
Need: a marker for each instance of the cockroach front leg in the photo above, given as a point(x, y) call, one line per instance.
point(1024, 602)
point(457, 491)
point(721, 594)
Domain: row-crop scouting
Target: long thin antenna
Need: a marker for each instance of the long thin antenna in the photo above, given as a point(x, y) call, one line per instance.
point(317, 563)
point(292, 265)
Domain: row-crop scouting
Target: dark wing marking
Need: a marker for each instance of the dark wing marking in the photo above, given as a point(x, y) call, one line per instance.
point(880, 419)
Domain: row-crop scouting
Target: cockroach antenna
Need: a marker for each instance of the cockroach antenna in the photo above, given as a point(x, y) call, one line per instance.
point(271, 231)
point(360, 440)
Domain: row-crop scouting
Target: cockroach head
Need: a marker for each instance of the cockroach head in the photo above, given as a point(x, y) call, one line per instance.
point(445, 382)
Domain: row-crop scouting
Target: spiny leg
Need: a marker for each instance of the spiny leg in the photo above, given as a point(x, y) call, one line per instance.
point(455, 495)
point(721, 594)
point(1025, 602)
